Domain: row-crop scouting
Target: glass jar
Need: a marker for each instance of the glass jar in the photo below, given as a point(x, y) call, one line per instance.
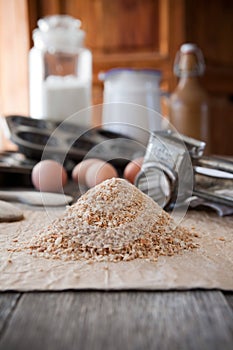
point(132, 101)
point(60, 70)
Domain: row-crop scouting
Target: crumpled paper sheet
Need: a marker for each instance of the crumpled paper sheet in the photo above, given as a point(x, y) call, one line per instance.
point(210, 266)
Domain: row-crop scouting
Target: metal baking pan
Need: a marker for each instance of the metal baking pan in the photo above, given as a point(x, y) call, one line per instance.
point(38, 137)
point(15, 170)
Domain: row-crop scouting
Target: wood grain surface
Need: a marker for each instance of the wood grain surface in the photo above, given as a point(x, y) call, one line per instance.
point(8, 301)
point(116, 320)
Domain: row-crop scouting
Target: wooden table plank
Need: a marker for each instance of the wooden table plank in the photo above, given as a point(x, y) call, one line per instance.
point(229, 299)
point(120, 320)
point(8, 302)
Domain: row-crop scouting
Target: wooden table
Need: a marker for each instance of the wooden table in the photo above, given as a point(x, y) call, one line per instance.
point(116, 320)
point(95, 320)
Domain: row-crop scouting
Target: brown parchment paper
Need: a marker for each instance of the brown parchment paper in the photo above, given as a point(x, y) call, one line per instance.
point(210, 266)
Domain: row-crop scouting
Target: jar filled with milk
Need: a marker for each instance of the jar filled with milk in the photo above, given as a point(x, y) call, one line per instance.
point(60, 70)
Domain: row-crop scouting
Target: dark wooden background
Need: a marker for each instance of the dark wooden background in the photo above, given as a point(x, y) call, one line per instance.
point(147, 33)
point(130, 33)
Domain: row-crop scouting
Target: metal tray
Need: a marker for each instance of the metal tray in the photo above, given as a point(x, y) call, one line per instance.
point(38, 138)
point(15, 170)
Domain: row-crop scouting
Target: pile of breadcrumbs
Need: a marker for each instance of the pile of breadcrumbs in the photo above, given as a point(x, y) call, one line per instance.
point(113, 221)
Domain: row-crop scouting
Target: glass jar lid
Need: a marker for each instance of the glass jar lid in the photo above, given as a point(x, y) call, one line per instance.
point(58, 33)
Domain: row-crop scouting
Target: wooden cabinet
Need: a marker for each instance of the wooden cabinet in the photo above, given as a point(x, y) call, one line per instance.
point(125, 33)
point(210, 25)
point(147, 34)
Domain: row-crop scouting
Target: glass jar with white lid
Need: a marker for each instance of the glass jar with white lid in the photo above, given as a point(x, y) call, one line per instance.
point(132, 101)
point(60, 70)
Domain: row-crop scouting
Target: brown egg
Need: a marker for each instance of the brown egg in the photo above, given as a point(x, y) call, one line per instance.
point(49, 176)
point(132, 169)
point(98, 172)
point(79, 171)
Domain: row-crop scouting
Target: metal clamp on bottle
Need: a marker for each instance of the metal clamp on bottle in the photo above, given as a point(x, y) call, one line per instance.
point(174, 170)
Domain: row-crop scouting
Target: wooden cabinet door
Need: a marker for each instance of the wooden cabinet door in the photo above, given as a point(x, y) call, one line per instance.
point(125, 33)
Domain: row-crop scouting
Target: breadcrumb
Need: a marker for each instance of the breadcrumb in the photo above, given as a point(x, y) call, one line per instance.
point(114, 221)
